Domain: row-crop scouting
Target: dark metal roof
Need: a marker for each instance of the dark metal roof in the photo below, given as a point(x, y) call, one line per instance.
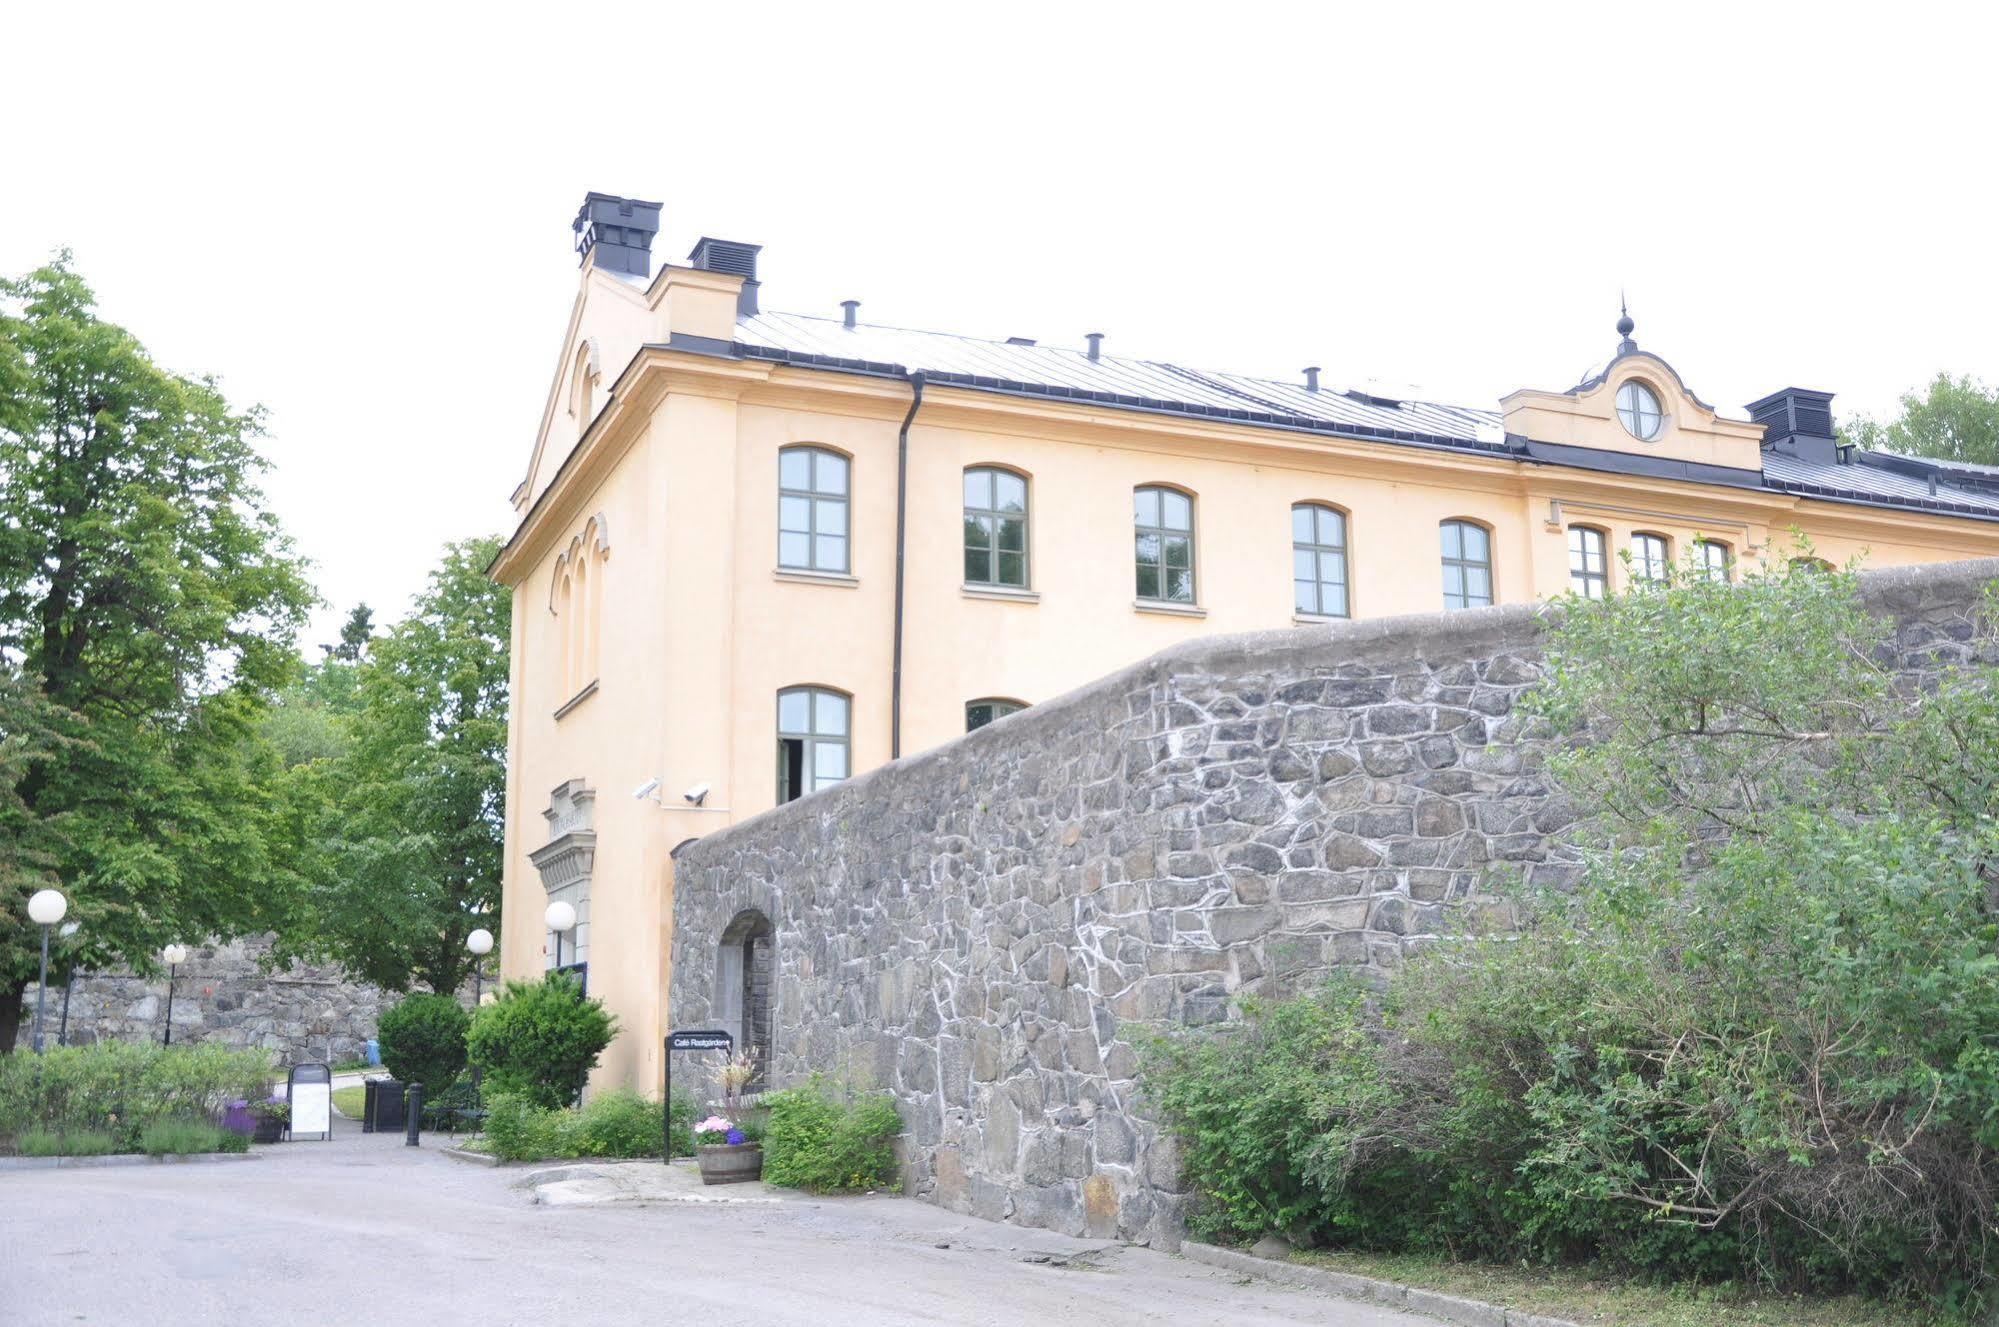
point(1875, 479)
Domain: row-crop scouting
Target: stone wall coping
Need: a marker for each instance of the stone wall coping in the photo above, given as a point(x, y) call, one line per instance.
point(1440, 637)
point(1389, 1294)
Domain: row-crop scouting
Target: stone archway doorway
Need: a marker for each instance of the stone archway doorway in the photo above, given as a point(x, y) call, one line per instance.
point(745, 972)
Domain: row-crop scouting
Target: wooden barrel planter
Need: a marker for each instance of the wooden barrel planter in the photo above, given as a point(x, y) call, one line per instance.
point(729, 1163)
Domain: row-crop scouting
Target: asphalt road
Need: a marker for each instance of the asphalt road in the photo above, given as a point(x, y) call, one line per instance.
point(365, 1231)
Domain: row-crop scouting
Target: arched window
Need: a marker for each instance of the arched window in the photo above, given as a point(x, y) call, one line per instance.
point(979, 713)
point(995, 527)
point(744, 979)
point(1587, 573)
point(812, 491)
point(1714, 560)
point(813, 740)
point(576, 598)
point(1651, 559)
point(1319, 560)
point(1467, 549)
point(1163, 538)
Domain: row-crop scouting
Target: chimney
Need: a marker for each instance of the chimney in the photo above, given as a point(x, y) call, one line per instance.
point(1312, 378)
point(712, 255)
point(617, 231)
point(1096, 340)
point(1798, 422)
point(849, 312)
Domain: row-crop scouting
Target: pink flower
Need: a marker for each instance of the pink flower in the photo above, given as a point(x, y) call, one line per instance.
point(713, 1124)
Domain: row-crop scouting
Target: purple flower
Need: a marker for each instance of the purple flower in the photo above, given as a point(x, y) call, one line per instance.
point(735, 1135)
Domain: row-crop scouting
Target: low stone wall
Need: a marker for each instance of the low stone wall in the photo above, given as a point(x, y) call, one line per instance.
point(989, 928)
point(303, 1012)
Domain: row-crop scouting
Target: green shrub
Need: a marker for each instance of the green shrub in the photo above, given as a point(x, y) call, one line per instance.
point(111, 1084)
point(423, 1041)
point(539, 1039)
point(813, 1139)
point(40, 1142)
point(619, 1123)
point(182, 1137)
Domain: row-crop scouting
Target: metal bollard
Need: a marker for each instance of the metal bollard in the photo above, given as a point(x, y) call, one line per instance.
point(413, 1109)
point(368, 1105)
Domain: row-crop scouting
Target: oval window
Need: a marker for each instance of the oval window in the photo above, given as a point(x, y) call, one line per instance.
point(1639, 408)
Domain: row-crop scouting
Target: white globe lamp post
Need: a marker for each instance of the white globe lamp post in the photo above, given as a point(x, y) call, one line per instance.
point(480, 942)
point(175, 955)
point(45, 909)
point(561, 918)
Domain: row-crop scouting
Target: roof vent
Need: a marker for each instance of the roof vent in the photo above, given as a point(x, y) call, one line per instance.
point(1020, 340)
point(1372, 398)
point(1096, 340)
point(849, 311)
point(1312, 378)
point(1798, 422)
point(618, 231)
point(735, 258)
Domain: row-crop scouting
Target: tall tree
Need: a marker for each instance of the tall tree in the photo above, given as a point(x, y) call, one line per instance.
point(406, 859)
point(149, 604)
point(1953, 419)
point(355, 634)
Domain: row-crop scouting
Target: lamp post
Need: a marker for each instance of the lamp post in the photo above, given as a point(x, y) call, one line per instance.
point(561, 917)
point(45, 909)
point(480, 942)
point(69, 985)
point(175, 955)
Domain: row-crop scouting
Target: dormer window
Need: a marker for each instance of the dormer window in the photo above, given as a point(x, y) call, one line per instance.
point(1638, 408)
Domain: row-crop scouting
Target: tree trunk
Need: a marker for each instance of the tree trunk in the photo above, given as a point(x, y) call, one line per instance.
point(11, 1000)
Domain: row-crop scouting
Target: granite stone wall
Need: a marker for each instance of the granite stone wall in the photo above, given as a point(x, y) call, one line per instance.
point(988, 928)
point(302, 1012)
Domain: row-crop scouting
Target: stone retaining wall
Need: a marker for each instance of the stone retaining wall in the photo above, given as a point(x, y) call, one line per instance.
point(988, 928)
point(305, 1012)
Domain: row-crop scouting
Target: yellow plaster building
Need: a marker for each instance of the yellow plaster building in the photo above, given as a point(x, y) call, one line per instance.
point(759, 552)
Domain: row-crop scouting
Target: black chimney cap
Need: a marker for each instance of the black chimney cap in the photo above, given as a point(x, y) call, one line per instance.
point(1797, 421)
point(619, 230)
point(733, 256)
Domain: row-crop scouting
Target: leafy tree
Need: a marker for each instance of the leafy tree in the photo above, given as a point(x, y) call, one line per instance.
point(355, 634)
point(148, 608)
point(399, 822)
point(1953, 419)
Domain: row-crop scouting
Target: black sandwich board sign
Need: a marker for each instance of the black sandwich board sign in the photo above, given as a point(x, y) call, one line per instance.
point(705, 1039)
point(309, 1089)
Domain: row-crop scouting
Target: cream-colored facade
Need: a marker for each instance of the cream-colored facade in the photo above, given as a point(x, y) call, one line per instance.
point(654, 625)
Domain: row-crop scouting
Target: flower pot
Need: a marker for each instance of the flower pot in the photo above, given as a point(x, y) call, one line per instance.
point(730, 1163)
point(270, 1129)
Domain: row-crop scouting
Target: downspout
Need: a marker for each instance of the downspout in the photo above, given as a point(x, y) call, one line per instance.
point(901, 550)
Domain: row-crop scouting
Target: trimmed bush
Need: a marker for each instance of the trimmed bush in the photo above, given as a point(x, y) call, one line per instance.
point(827, 1143)
point(538, 1040)
point(112, 1085)
point(423, 1041)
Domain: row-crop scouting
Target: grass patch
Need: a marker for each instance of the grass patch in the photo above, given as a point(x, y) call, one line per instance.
point(350, 1101)
point(1585, 1296)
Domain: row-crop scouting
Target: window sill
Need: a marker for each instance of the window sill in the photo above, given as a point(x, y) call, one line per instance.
point(589, 690)
point(1319, 619)
point(1168, 609)
point(1012, 593)
point(799, 576)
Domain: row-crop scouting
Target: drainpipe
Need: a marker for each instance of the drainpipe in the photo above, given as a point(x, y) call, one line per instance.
point(901, 549)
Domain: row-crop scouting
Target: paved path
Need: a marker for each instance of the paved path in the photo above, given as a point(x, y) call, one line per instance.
point(368, 1232)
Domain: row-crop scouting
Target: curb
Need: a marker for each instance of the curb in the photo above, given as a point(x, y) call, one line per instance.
point(1388, 1294)
point(476, 1158)
point(119, 1159)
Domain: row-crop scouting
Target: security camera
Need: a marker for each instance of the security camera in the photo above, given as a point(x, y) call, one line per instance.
point(697, 794)
point(646, 789)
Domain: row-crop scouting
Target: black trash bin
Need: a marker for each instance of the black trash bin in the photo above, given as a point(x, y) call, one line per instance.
point(381, 1106)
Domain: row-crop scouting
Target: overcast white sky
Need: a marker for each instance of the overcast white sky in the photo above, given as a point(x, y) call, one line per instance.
point(359, 216)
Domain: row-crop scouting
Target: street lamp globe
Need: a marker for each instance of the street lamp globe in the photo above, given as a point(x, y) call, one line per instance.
point(480, 942)
point(47, 907)
point(560, 916)
point(174, 954)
